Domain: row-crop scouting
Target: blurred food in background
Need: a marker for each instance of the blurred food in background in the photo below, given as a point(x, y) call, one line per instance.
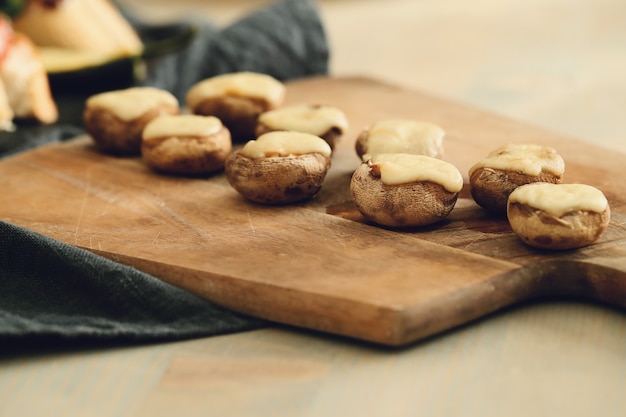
point(40, 37)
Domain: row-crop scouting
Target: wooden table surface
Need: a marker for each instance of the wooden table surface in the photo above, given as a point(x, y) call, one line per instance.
point(553, 63)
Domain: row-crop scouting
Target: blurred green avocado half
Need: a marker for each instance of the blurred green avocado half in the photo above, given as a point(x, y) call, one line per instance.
point(88, 73)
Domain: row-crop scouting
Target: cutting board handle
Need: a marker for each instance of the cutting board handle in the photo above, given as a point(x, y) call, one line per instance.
point(599, 279)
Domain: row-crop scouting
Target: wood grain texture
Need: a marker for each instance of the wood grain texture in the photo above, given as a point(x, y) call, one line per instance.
point(320, 265)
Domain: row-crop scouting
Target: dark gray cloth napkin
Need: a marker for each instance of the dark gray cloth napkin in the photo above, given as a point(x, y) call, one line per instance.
point(286, 41)
point(51, 291)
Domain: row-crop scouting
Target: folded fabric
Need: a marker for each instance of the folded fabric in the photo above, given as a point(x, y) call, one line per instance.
point(53, 291)
point(285, 40)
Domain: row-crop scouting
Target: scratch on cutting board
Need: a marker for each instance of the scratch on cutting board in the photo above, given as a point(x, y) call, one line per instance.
point(91, 245)
point(173, 215)
point(82, 209)
point(250, 222)
point(112, 196)
point(471, 243)
point(339, 238)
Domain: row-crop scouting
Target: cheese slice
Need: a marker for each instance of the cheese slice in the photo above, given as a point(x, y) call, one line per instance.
point(314, 119)
point(243, 84)
point(400, 168)
point(558, 199)
point(529, 159)
point(131, 103)
point(404, 136)
point(182, 125)
point(285, 143)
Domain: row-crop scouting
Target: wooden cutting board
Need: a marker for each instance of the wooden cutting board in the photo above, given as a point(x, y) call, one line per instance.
point(319, 265)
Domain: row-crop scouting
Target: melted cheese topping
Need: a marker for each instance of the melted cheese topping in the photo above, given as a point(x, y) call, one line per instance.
point(131, 103)
point(558, 199)
point(182, 125)
point(316, 120)
point(401, 168)
point(243, 84)
point(404, 136)
point(284, 143)
point(525, 158)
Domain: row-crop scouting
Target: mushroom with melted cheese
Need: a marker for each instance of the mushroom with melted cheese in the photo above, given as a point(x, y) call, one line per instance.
point(558, 216)
point(237, 99)
point(115, 119)
point(405, 190)
point(186, 144)
point(504, 169)
point(327, 122)
point(400, 136)
point(279, 167)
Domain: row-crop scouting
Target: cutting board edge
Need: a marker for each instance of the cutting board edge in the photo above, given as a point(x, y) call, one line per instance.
point(586, 280)
point(397, 325)
point(394, 326)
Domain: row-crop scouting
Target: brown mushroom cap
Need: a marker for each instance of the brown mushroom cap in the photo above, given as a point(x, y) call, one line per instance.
point(239, 114)
point(493, 179)
point(582, 214)
point(186, 144)
point(327, 122)
point(410, 204)
point(491, 188)
point(400, 136)
point(115, 119)
point(237, 99)
point(279, 175)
